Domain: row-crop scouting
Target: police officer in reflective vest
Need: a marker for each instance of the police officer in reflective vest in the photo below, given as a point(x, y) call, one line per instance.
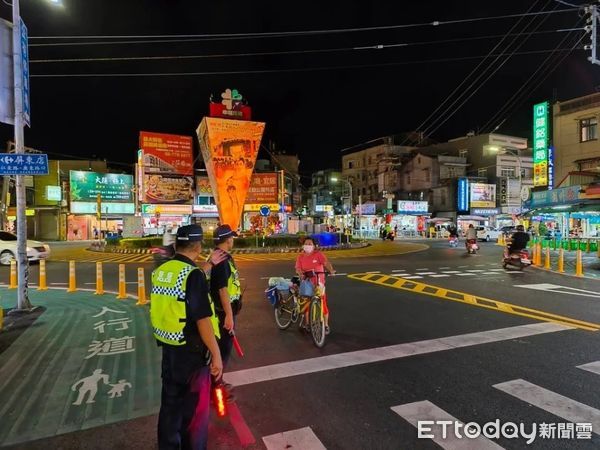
point(225, 289)
point(185, 326)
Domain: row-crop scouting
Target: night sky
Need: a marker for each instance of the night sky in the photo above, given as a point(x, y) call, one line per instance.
point(314, 113)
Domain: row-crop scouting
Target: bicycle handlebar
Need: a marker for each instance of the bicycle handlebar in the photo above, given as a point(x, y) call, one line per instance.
point(312, 273)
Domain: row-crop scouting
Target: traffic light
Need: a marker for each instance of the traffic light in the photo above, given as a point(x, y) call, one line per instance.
point(99, 206)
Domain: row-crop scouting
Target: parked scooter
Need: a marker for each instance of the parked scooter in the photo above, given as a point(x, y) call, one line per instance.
point(520, 259)
point(472, 246)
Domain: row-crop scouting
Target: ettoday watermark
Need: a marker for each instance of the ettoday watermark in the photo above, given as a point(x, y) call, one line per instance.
point(508, 430)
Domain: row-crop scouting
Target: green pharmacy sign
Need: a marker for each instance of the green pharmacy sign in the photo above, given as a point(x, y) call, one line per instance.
point(114, 188)
point(541, 138)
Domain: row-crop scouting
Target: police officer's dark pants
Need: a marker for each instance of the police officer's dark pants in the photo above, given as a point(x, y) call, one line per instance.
point(226, 340)
point(185, 401)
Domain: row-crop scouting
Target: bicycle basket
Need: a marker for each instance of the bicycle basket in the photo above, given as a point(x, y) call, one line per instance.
point(272, 295)
point(307, 289)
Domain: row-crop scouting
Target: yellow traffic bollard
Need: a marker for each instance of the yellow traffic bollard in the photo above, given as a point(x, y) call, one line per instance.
point(539, 254)
point(561, 260)
point(500, 239)
point(141, 287)
point(547, 259)
point(579, 265)
point(72, 279)
point(13, 275)
point(534, 258)
point(122, 284)
point(42, 285)
point(99, 279)
point(1, 318)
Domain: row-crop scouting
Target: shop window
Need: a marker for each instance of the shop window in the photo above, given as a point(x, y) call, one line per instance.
point(351, 164)
point(588, 129)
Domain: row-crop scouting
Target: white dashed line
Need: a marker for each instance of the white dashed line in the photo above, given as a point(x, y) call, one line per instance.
point(439, 276)
point(413, 277)
point(465, 274)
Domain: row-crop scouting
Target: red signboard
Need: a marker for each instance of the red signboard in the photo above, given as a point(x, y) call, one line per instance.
point(263, 189)
point(167, 153)
point(243, 112)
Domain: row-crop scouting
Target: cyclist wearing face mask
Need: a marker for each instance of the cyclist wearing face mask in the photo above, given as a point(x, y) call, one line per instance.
point(312, 259)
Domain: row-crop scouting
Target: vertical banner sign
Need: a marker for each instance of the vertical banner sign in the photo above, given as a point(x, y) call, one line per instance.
point(541, 133)
point(25, 74)
point(463, 194)
point(550, 168)
point(229, 149)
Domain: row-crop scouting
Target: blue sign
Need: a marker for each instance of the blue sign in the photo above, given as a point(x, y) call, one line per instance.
point(463, 194)
point(25, 74)
point(265, 210)
point(556, 197)
point(23, 164)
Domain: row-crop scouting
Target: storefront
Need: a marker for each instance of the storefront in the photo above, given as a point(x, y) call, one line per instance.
point(158, 219)
point(253, 218)
point(410, 218)
point(98, 204)
point(207, 216)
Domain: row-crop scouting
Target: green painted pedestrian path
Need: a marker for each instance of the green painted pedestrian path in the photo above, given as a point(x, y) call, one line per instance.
point(87, 361)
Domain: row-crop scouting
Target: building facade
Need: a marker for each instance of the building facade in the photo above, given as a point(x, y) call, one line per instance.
point(575, 141)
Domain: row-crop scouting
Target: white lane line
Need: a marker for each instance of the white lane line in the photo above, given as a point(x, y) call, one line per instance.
point(451, 271)
point(593, 367)
point(466, 274)
point(425, 410)
point(303, 439)
point(513, 271)
point(439, 276)
point(398, 270)
point(401, 275)
point(349, 359)
point(426, 273)
point(374, 271)
point(425, 268)
point(413, 277)
point(475, 270)
point(554, 403)
point(59, 284)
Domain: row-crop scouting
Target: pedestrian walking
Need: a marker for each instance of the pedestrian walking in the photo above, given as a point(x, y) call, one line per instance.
point(226, 291)
point(186, 328)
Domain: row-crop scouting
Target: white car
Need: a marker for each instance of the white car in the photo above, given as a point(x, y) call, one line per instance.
point(8, 249)
point(488, 233)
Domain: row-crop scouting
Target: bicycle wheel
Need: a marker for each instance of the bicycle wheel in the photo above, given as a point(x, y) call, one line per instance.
point(317, 323)
point(284, 312)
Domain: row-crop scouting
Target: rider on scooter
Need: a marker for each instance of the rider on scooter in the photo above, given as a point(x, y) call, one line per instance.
point(518, 240)
point(471, 235)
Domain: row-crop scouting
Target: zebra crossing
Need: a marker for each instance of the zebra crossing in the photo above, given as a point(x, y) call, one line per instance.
point(478, 270)
point(572, 422)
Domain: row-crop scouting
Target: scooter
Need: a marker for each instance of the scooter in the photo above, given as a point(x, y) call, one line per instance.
point(519, 260)
point(472, 246)
point(453, 241)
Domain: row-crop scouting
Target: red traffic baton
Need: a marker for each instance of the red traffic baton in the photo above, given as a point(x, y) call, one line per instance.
point(236, 344)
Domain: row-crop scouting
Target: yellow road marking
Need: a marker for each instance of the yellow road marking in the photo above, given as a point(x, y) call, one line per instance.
point(470, 299)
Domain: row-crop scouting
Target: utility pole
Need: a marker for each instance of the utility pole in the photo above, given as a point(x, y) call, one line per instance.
point(23, 302)
point(592, 27)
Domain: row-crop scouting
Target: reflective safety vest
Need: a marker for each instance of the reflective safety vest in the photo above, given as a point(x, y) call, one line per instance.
point(234, 287)
point(167, 303)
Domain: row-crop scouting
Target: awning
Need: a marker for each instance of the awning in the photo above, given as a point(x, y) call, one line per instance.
point(439, 220)
point(473, 218)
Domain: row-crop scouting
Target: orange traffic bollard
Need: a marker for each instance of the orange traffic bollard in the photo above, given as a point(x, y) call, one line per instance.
point(579, 264)
point(561, 260)
point(538, 253)
point(72, 280)
point(99, 279)
point(13, 275)
point(547, 259)
point(42, 285)
point(141, 287)
point(122, 284)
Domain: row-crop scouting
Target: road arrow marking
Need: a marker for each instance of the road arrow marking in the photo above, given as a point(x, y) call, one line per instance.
point(559, 289)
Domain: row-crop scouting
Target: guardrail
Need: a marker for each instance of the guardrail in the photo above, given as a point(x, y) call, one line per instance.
point(587, 245)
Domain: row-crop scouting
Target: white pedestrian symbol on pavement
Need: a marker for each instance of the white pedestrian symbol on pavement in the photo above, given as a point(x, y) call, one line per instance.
point(89, 385)
point(105, 310)
point(119, 388)
point(112, 346)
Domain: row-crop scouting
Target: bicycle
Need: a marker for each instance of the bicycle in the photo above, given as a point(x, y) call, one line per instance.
point(294, 306)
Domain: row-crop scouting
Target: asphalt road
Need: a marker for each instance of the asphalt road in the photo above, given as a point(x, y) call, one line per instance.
point(396, 347)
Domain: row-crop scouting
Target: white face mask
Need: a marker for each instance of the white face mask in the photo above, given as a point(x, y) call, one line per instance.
point(308, 248)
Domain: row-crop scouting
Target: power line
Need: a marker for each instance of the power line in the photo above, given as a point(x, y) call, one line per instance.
point(312, 32)
point(480, 74)
point(286, 52)
point(300, 69)
point(517, 99)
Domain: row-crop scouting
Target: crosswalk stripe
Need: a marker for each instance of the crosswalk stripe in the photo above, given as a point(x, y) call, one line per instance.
point(593, 367)
point(465, 274)
point(425, 410)
point(451, 271)
point(554, 403)
point(413, 277)
point(440, 275)
point(303, 438)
